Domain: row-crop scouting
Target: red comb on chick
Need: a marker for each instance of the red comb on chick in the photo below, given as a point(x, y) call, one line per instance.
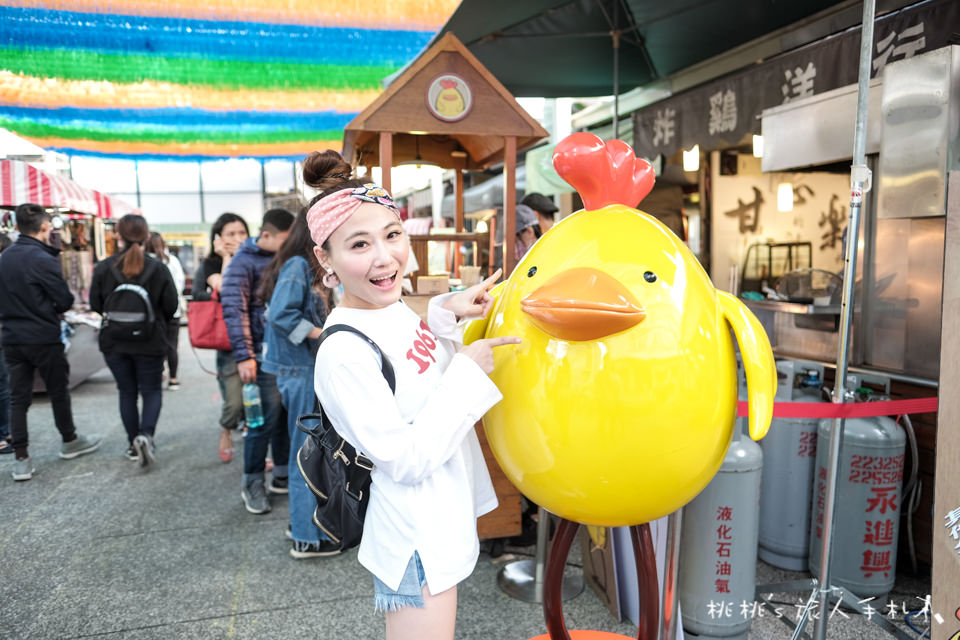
point(603, 173)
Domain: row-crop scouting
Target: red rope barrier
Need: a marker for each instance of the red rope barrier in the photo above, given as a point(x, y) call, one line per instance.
point(847, 409)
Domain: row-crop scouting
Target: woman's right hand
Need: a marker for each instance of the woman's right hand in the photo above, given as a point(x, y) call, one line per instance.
point(219, 246)
point(215, 281)
point(481, 351)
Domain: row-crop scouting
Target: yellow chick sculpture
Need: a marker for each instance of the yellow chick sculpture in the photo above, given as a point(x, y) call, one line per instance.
point(621, 401)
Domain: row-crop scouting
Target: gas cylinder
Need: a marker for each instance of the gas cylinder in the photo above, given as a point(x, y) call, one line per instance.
point(867, 515)
point(789, 451)
point(718, 546)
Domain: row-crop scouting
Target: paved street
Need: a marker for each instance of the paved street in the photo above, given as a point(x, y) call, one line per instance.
point(96, 548)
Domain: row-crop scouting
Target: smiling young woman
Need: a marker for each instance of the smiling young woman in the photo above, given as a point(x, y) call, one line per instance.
point(430, 482)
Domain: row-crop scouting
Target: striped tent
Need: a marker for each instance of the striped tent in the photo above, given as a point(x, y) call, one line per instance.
point(21, 182)
point(181, 79)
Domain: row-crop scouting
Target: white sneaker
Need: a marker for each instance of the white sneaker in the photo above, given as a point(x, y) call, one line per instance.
point(79, 446)
point(23, 469)
point(146, 452)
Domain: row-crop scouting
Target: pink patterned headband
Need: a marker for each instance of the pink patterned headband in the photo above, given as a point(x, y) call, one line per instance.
point(328, 213)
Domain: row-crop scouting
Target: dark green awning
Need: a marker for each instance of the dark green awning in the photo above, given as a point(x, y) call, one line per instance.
point(556, 48)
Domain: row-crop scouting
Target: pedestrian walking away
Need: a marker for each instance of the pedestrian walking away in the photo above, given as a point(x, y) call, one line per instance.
point(243, 314)
point(157, 248)
point(227, 234)
point(137, 297)
point(430, 481)
point(296, 311)
point(6, 445)
point(33, 295)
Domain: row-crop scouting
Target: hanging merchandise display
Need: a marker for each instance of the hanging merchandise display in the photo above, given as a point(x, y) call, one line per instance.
point(867, 519)
point(179, 80)
point(789, 451)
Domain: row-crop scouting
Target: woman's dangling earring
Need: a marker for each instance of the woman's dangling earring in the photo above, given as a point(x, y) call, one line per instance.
point(330, 280)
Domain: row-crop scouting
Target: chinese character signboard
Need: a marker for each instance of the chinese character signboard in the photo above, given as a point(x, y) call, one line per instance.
point(720, 113)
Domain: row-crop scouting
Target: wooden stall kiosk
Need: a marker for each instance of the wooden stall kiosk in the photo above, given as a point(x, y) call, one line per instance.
point(447, 109)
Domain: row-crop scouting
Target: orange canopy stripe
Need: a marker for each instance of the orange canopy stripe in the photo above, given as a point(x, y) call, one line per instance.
point(32, 91)
point(413, 15)
point(265, 150)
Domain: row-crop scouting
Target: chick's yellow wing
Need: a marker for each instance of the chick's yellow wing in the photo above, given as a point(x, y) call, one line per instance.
point(758, 362)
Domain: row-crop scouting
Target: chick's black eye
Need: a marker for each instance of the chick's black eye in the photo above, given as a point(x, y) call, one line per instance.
point(532, 272)
point(650, 276)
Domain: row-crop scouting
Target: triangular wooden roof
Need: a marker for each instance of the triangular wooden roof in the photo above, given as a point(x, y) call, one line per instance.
point(402, 111)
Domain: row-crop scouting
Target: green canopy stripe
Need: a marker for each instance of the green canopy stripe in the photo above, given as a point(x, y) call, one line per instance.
point(166, 136)
point(227, 74)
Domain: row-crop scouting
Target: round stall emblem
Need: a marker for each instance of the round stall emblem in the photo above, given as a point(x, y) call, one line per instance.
point(449, 97)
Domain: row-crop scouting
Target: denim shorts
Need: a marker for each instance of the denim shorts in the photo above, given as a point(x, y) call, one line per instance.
point(408, 595)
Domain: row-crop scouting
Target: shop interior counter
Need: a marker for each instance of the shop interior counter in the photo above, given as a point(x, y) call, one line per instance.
point(799, 329)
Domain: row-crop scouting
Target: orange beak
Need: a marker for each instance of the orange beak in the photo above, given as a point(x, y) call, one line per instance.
point(582, 304)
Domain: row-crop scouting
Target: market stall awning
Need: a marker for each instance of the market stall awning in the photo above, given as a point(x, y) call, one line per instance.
point(21, 182)
point(556, 48)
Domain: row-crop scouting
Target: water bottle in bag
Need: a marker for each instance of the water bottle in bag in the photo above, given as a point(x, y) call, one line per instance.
point(252, 410)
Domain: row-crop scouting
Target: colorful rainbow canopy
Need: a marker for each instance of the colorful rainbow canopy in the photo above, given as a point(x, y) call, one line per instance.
point(179, 79)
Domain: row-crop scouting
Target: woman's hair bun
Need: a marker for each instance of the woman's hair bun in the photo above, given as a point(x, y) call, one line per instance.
point(325, 169)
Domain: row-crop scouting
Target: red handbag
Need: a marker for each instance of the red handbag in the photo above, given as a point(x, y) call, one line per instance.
point(205, 324)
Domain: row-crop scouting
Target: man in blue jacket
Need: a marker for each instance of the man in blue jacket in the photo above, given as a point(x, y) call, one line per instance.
point(243, 315)
point(33, 294)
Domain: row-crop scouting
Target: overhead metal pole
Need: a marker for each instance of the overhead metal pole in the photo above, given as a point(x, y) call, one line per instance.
point(616, 68)
point(859, 183)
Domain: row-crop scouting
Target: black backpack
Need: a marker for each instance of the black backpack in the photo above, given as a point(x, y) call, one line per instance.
point(336, 473)
point(127, 312)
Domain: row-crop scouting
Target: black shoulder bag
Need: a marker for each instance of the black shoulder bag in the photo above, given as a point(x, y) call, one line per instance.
point(336, 473)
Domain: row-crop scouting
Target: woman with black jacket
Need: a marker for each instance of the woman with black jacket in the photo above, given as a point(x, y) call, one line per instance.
point(136, 296)
point(227, 234)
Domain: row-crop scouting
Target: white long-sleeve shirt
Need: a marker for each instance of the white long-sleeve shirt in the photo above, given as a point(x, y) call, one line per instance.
point(430, 482)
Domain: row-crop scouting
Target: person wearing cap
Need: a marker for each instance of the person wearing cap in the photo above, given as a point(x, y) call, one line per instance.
point(543, 207)
point(528, 230)
point(429, 482)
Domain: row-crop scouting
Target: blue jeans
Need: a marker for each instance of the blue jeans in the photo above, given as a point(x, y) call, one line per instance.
point(143, 376)
point(4, 398)
point(272, 432)
point(298, 398)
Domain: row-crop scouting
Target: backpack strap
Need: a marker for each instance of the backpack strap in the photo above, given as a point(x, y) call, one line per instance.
point(385, 367)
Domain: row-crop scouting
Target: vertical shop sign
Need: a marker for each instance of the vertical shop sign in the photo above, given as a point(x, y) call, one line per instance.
point(724, 544)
